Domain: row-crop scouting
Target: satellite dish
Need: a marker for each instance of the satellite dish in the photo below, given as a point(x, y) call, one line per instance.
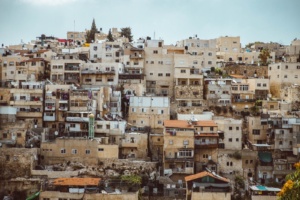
point(56, 133)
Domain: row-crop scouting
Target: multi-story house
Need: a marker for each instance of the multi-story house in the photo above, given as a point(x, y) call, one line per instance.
point(296, 140)
point(9, 65)
point(206, 144)
point(28, 99)
point(133, 78)
point(228, 44)
point(159, 67)
point(281, 75)
point(112, 52)
point(179, 152)
point(84, 150)
point(257, 132)
point(100, 74)
point(242, 97)
point(56, 105)
point(232, 131)
point(218, 91)
point(82, 103)
point(293, 52)
point(251, 57)
point(134, 145)
point(65, 71)
point(149, 111)
point(96, 52)
point(188, 87)
point(260, 86)
point(77, 37)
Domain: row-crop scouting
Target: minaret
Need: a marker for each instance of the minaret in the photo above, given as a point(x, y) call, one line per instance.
point(91, 126)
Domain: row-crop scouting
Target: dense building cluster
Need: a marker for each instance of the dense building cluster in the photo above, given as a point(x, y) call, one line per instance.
point(117, 119)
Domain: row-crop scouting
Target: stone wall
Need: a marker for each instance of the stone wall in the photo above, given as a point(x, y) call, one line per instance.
point(211, 195)
point(54, 174)
point(247, 70)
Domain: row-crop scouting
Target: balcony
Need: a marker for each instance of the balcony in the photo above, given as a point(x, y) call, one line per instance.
point(178, 159)
point(140, 56)
point(131, 76)
point(77, 119)
point(109, 72)
point(125, 144)
point(26, 103)
point(206, 145)
point(186, 170)
point(49, 117)
point(265, 168)
point(29, 114)
point(282, 172)
point(243, 100)
point(27, 91)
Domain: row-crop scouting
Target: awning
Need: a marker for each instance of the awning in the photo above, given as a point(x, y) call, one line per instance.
point(265, 156)
point(264, 188)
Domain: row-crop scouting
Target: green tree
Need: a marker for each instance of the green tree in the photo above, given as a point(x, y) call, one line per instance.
point(109, 36)
point(126, 32)
point(291, 188)
point(263, 56)
point(90, 35)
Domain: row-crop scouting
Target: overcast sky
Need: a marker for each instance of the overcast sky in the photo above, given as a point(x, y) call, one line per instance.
point(171, 20)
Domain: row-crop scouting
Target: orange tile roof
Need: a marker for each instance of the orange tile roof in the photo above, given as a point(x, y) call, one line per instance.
point(206, 123)
point(177, 124)
point(203, 174)
point(76, 181)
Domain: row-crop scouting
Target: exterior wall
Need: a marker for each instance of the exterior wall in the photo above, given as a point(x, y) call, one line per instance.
point(228, 44)
point(232, 133)
point(134, 146)
point(96, 51)
point(65, 148)
point(254, 123)
point(211, 195)
point(55, 195)
point(246, 70)
point(249, 158)
point(149, 111)
point(281, 75)
point(218, 92)
point(244, 57)
point(76, 36)
point(9, 66)
point(156, 146)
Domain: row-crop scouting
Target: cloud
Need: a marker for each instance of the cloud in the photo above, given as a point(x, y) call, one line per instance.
point(48, 2)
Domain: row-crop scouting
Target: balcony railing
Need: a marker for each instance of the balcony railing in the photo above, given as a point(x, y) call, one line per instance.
point(131, 76)
point(98, 72)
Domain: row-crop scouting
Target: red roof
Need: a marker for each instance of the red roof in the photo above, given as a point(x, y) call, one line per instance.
point(64, 40)
point(203, 174)
point(33, 60)
point(77, 181)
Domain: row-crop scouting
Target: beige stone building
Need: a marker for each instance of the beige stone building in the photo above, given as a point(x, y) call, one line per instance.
point(159, 67)
point(156, 146)
point(232, 130)
point(243, 57)
point(188, 87)
point(218, 91)
point(77, 37)
point(257, 135)
point(134, 145)
point(77, 149)
point(148, 111)
point(293, 52)
point(179, 152)
point(281, 75)
point(229, 44)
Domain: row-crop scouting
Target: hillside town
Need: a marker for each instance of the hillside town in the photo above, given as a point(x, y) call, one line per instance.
point(98, 115)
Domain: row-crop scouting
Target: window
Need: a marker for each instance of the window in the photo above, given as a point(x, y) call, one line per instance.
point(237, 128)
point(159, 122)
point(230, 128)
point(171, 142)
point(72, 125)
point(229, 139)
point(168, 74)
point(160, 74)
point(155, 52)
point(19, 134)
point(87, 151)
point(211, 128)
point(298, 67)
point(151, 74)
point(296, 76)
point(258, 84)
point(63, 151)
point(33, 63)
point(285, 76)
point(100, 149)
point(264, 85)
point(278, 67)
point(110, 80)
point(209, 62)
point(74, 151)
point(205, 155)
point(286, 67)
point(209, 54)
point(185, 153)
point(280, 142)
point(152, 62)
point(98, 79)
point(88, 80)
point(182, 71)
point(256, 132)
point(251, 161)
point(237, 139)
point(185, 142)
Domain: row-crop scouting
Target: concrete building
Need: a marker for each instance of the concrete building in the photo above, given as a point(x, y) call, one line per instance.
point(149, 111)
point(134, 145)
point(218, 91)
point(188, 87)
point(232, 130)
point(77, 37)
point(281, 75)
point(293, 52)
point(178, 156)
point(77, 149)
point(229, 44)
